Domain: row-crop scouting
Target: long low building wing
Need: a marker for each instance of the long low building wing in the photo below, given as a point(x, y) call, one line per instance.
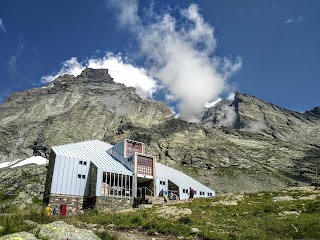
point(179, 178)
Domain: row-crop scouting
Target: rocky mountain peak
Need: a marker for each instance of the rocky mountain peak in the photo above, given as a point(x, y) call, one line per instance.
point(64, 77)
point(251, 114)
point(95, 73)
point(315, 111)
point(221, 114)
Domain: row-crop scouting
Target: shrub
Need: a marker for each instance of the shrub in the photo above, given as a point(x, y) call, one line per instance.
point(185, 220)
point(104, 235)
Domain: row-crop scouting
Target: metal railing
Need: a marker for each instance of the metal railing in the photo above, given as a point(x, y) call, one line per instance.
point(144, 191)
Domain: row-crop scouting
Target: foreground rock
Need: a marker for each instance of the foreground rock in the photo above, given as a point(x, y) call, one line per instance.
point(61, 230)
point(19, 236)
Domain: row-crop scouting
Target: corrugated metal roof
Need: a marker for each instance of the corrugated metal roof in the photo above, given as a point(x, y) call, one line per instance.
point(179, 178)
point(95, 151)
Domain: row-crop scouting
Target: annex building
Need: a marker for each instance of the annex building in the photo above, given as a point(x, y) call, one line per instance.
point(97, 173)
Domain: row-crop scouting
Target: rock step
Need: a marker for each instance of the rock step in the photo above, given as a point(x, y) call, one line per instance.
point(155, 200)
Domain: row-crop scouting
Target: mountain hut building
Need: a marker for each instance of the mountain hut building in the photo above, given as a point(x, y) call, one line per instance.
point(95, 173)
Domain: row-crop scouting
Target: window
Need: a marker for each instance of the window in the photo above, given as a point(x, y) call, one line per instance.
point(162, 183)
point(145, 165)
point(133, 147)
point(82, 162)
point(195, 192)
point(184, 191)
point(82, 176)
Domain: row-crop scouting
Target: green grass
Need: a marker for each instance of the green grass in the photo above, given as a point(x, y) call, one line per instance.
point(257, 216)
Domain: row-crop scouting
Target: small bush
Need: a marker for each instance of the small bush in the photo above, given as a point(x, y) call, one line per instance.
point(39, 216)
point(136, 220)
point(12, 224)
point(313, 207)
point(185, 220)
point(104, 235)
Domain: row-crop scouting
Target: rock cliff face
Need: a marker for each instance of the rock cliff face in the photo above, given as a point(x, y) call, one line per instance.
point(71, 109)
point(280, 124)
point(240, 145)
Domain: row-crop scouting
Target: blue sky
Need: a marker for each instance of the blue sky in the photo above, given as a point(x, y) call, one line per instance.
point(269, 49)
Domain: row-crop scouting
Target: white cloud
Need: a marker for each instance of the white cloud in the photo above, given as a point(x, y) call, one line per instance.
point(177, 49)
point(294, 20)
point(170, 97)
point(128, 15)
point(124, 72)
point(12, 63)
point(119, 67)
point(2, 27)
point(180, 51)
point(71, 66)
point(229, 118)
point(231, 96)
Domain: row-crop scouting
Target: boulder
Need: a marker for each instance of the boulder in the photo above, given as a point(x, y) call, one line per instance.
point(60, 230)
point(19, 236)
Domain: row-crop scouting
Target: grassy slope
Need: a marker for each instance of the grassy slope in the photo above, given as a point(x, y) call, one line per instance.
point(256, 216)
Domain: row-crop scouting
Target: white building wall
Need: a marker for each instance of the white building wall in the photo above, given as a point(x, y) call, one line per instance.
point(160, 187)
point(65, 178)
point(99, 181)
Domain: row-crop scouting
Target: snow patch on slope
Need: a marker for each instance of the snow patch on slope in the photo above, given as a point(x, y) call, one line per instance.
point(38, 160)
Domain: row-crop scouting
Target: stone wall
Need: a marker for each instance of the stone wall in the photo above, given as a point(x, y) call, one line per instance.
point(48, 183)
point(74, 203)
point(114, 204)
point(92, 180)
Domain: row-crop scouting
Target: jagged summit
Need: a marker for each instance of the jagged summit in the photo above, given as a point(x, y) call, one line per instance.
point(95, 73)
point(314, 112)
point(101, 75)
point(251, 114)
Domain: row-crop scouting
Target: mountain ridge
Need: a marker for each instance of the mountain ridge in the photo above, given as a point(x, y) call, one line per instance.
point(242, 145)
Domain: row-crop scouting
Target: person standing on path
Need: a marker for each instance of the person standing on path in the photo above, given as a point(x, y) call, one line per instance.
point(191, 192)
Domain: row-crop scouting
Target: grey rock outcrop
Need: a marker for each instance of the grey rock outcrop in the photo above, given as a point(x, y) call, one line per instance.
point(221, 114)
point(282, 124)
point(22, 186)
point(60, 230)
point(19, 236)
point(315, 111)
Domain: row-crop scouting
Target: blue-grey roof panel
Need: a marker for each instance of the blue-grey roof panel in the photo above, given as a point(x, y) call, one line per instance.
point(95, 151)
